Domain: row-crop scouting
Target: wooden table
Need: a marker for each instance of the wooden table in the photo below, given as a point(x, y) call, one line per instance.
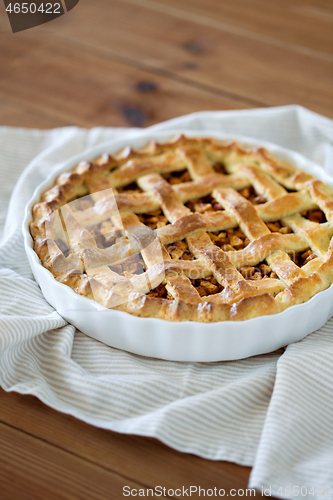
point(135, 63)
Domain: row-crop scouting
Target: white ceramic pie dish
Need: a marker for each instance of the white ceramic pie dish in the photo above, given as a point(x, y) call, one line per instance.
point(178, 341)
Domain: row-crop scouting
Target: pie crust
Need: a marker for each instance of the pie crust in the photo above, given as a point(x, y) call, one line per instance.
point(194, 229)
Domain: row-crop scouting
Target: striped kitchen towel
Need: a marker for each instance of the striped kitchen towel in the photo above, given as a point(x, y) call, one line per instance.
point(274, 411)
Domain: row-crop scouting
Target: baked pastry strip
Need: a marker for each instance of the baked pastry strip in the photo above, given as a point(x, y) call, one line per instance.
point(200, 245)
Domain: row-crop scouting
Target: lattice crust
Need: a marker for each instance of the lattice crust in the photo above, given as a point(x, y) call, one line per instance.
point(242, 233)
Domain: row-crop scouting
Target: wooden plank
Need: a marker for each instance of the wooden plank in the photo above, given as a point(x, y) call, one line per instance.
point(146, 33)
point(305, 23)
point(32, 469)
point(83, 87)
point(142, 460)
point(18, 114)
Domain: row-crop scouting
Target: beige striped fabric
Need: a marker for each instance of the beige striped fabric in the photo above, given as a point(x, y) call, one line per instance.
point(274, 412)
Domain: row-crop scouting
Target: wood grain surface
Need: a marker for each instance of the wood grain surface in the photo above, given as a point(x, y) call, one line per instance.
point(135, 63)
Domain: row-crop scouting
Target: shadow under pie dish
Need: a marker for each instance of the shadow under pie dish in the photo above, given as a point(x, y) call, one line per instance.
point(199, 230)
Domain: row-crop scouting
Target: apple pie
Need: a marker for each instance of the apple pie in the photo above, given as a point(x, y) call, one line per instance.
point(194, 229)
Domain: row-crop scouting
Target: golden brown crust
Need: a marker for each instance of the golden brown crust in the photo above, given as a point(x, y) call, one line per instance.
point(67, 237)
